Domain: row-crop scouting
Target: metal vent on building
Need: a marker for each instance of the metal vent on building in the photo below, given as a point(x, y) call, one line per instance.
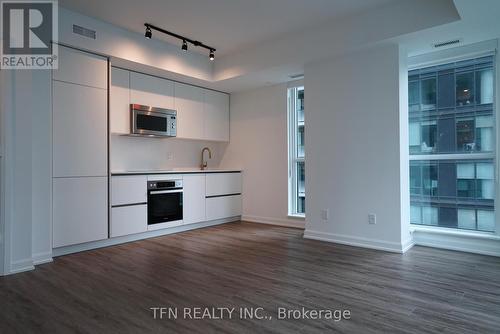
point(89, 33)
point(446, 43)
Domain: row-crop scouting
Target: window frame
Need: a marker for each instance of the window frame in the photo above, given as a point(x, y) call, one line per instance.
point(293, 158)
point(455, 55)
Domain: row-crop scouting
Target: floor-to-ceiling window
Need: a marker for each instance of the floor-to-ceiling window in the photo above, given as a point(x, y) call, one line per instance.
point(296, 163)
point(452, 144)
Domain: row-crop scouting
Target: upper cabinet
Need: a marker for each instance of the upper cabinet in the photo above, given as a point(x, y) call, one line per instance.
point(151, 91)
point(202, 114)
point(81, 68)
point(216, 116)
point(119, 99)
point(189, 103)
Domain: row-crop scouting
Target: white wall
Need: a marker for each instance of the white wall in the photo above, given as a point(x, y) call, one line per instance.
point(17, 111)
point(41, 166)
point(259, 146)
point(134, 153)
point(353, 155)
point(26, 143)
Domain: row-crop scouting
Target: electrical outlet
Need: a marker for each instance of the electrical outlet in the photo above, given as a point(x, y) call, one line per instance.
point(325, 214)
point(372, 218)
point(170, 156)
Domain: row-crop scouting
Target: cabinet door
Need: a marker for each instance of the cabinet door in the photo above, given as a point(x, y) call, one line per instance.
point(223, 184)
point(127, 220)
point(128, 189)
point(151, 91)
point(223, 207)
point(79, 130)
point(194, 199)
point(190, 115)
point(119, 100)
point(216, 116)
point(80, 211)
point(81, 68)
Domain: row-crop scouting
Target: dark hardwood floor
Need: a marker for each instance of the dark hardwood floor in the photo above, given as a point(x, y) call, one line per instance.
point(112, 290)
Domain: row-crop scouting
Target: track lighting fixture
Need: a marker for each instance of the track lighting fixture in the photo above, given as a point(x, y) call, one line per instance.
point(185, 40)
point(148, 33)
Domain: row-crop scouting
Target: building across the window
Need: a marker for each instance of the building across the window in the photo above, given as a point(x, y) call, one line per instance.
point(296, 164)
point(452, 148)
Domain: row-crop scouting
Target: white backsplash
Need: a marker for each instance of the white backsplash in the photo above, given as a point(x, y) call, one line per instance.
point(136, 153)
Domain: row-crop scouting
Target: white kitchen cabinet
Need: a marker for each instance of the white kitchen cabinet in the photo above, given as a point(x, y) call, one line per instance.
point(194, 198)
point(190, 111)
point(151, 91)
point(128, 189)
point(202, 114)
point(216, 110)
point(80, 210)
point(223, 184)
point(81, 68)
point(127, 220)
point(223, 207)
point(119, 101)
point(79, 130)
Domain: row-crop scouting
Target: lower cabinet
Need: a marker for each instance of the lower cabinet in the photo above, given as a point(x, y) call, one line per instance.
point(223, 207)
point(127, 220)
point(194, 199)
point(80, 211)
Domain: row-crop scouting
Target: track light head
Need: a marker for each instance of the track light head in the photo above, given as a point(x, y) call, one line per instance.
point(211, 56)
point(148, 33)
point(184, 45)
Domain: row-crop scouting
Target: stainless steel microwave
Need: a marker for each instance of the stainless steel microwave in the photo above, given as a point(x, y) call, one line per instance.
point(152, 122)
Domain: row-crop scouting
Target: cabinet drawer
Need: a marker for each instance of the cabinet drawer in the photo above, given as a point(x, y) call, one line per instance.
point(127, 220)
point(223, 184)
point(128, 189)
point(223, 207)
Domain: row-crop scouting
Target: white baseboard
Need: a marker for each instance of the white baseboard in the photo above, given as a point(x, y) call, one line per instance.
point(407, 245)
point(295, 223)
point(358, 242)
point(41, 258)
point(139, 236)
point(478, 244)
point(20, 266)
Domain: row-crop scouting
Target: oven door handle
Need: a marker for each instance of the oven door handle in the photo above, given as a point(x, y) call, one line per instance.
point(158, 192)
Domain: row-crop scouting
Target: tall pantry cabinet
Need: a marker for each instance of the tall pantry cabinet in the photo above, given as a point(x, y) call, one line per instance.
point(79, 148)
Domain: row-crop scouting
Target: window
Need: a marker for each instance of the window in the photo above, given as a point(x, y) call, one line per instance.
point(296, 164)
point(452, 147)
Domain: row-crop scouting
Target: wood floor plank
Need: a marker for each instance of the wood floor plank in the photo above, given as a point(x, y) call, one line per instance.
point(111, 290)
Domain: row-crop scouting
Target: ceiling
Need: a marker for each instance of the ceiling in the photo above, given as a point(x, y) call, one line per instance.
point(228, 25)
point(263, 42)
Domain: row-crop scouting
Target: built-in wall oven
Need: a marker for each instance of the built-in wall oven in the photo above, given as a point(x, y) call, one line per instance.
point(165, 199)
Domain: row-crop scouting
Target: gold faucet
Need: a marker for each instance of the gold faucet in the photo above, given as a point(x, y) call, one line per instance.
point(203, 161)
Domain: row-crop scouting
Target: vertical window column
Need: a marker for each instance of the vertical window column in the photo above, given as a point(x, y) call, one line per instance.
point(296, 154)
